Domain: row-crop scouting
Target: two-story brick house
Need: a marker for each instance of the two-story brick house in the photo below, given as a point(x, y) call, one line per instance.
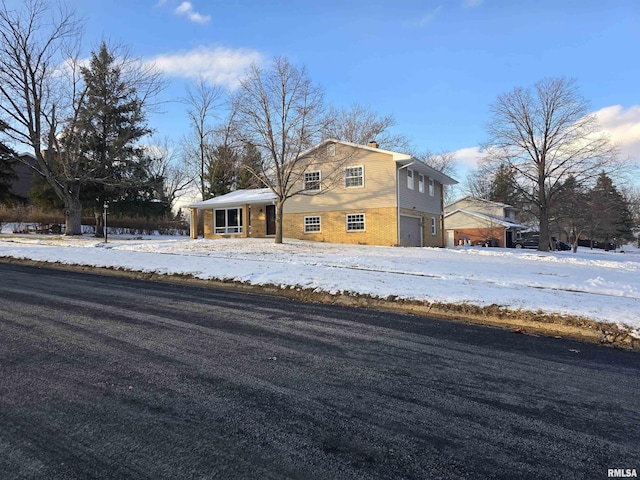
point(477, 221)
point(357, 194)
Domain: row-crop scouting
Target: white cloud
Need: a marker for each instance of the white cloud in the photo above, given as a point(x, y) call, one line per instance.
point(623, 125)
point(218, 65)
point(186, 9)
point(468, 157)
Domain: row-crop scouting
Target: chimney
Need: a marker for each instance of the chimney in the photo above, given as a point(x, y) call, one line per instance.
point(372, 144)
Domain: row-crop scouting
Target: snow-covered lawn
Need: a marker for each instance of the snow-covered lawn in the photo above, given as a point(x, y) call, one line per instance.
point(599, 285)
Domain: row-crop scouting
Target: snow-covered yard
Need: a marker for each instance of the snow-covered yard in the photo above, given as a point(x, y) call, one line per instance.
point(599, 285)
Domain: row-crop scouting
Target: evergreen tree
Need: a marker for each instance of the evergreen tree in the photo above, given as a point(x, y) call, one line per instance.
point(611, 216)
point(573, 209)
point(222, 170)
point(108, 124)
point(250, 168)
point(503, 186)
point(7, 173)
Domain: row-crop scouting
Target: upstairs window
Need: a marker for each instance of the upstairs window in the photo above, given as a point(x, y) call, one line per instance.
point(312, 180)
point(354, 176)
point(421, 183)
point(432, 187)
point(410, 179)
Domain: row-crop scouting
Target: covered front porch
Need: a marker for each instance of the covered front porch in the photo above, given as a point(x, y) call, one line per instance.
point(241, 214)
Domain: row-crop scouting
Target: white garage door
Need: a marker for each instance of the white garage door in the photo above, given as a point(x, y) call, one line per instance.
point(410, 231)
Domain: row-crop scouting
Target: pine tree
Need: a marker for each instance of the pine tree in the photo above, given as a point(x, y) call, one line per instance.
point(572, 209)
point(7, 173)
point(222, 169)
point(250, 168)
point(109, 122)
point(611, 216)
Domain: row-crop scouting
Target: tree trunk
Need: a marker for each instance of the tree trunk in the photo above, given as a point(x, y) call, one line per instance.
point(73, 216)
point(99, 224)
point(279, 209)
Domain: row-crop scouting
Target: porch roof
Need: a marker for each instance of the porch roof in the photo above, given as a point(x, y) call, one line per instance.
point(239, 197)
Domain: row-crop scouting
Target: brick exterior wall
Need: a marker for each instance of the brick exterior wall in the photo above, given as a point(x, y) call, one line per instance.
point(380, 227)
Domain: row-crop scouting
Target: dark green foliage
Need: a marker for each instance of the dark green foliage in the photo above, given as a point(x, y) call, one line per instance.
point(503, 187)
point(250, 168)
point(43, 196)
point(612, 217)
point(222, 170)
point(7, 171)
point(104, 136)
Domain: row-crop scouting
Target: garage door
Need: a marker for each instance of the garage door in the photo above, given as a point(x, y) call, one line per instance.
point(410, 231)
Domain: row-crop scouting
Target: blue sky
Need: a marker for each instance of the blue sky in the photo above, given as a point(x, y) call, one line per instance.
point(436, 66)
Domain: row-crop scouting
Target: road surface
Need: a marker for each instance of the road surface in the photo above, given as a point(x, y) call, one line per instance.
point(113, 378)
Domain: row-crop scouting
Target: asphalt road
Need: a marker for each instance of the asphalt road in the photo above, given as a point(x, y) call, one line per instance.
point(110, 378)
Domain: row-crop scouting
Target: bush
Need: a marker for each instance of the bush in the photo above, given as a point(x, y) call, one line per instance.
point(29, 219)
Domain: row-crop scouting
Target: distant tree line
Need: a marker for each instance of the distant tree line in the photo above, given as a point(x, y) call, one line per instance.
point(547, 156)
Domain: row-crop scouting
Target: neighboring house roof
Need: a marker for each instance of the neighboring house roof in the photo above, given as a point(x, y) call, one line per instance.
point(238, 197)
point(494, 220)
point(401, 159)
point(477, 199)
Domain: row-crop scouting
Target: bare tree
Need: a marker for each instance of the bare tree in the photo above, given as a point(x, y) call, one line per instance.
point(545, 135)
point(361, 125)
point(281, 112)
point(34, 41)
point(171, 176)
point(202, 100)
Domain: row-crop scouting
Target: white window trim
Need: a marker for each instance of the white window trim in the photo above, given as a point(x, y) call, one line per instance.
point(345, 176)
point(304, 181)
point(410, 179)
point(319, 224)
point(432, 187)
point(434, 226)
point(226, 229)
point(347, 222)
point(420, 183)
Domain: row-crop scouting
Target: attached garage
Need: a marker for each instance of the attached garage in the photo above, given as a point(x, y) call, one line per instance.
point(410, 231)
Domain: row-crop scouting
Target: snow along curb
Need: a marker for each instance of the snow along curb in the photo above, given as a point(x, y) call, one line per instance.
point(519, 321)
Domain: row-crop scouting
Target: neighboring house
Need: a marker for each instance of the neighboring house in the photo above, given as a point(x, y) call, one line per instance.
point(25, 171)
point(479, 221)
point(348, 194)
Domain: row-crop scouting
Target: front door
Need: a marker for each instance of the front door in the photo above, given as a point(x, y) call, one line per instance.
point(270, 212)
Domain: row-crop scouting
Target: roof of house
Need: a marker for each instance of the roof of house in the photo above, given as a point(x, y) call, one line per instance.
point(238, 197)
point(489, 218)
point(402, 159)
point(478, 199)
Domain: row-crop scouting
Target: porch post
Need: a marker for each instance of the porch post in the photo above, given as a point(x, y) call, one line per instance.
point(194, 223)
point(246, 221)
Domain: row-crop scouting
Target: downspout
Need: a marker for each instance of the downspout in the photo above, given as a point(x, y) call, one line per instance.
point(443, 234)
point(398, 197)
